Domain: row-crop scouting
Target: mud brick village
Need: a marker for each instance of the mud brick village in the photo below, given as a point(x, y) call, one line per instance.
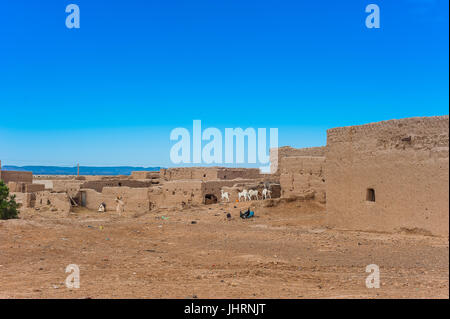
point(375, 193)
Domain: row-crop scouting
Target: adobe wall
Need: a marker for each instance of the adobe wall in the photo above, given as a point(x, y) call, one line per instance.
point(300, 175)
point(209, 173)
point(185, 173)
point(144, 175)
point(25, 188)
point(48, 184)
point(98, 185)
point(404, 161)
point(170, 194)
point(215, 187)
point(178, 194)
point(81, 177)
point(55, 201)
point(156, 196)
point(53, 177)
point(225, 173)
point(285, 151)
point(33, 188)
point(71, 187)
point(15, 187)
point(183, 193)
point(26, 200)
point(135, 199)
point(15, 176)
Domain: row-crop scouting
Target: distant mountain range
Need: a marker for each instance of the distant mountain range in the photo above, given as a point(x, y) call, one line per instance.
point(84, 170)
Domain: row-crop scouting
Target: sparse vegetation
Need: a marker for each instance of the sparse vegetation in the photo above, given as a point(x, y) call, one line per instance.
point(8, 205)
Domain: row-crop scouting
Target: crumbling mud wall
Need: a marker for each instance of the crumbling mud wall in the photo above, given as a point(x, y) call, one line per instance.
point(300, 175)
point(71, 187)
point(134, 199)
point(287, 151)
point(208, 173)
point(179, 194)
point(15, 187)
point(215, 188)
point(25, 187)
point(25, 200)
point(59, 183)
point(54, 201)
point(175, 194)
point(15, 176)
point(389, 176)
point(48, 184)
point(144, 175)
point(33, 188)
point(225, 173)
point(185, 173)
point(98, 185)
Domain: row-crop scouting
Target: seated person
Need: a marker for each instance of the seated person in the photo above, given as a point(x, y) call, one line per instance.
point(247, 214)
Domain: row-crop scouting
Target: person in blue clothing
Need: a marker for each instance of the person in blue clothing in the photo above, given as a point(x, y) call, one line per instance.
point(247, 214)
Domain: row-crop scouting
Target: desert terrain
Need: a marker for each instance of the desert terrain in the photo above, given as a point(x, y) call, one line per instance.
point(285, 251)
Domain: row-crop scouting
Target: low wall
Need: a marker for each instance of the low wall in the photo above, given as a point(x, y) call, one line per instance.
point(98, 185)
point(25, 188)
point(300, 175)
point(276, 155)
point(33, 188)
point(55, 201)
point(179, 194)
point(187, 173)
point(15, 176)
point(135, 199)
point(144, 175)
point(48, 184)
point(26, 200)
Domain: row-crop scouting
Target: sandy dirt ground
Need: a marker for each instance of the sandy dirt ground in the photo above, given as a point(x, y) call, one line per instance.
point(284, 252)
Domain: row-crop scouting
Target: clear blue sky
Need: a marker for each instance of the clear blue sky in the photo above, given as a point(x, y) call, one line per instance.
point(110, 92)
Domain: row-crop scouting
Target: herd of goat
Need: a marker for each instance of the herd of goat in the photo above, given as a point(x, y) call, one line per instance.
point(248, 195)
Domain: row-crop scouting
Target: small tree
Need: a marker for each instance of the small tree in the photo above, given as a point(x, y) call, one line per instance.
point(8, 205)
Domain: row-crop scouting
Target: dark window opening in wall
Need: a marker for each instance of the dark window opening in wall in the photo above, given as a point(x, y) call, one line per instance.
point(120, 184)
point(204, 175)
point(210, 199)
point(370, 196)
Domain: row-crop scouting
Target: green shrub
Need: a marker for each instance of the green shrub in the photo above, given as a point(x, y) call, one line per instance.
point(8, 205)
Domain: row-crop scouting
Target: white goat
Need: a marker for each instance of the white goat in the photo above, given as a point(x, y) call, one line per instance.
point(266, 193)
point(225, 195)
point(244, 194)
point(252, 193)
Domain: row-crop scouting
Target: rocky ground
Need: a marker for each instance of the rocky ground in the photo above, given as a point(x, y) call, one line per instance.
point(284, 252)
